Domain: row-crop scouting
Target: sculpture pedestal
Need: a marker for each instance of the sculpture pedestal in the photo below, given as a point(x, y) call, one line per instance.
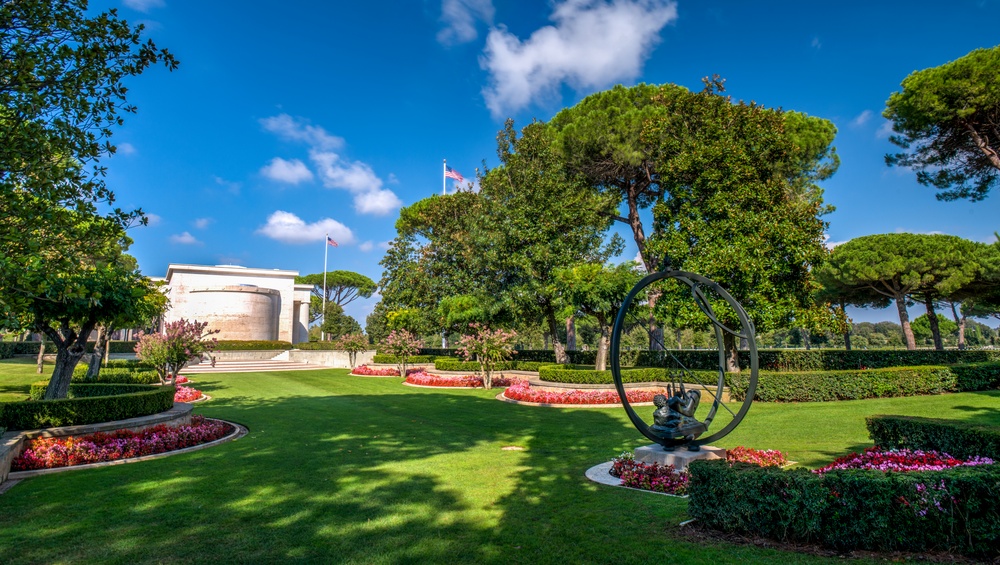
point(680, 457)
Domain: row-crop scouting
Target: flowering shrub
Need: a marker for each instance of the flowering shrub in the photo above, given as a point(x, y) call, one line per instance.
point(648, 476)
point(180, 342)
point(761, 457)
point(901, 460)
point(47, 453)
point(367, 371)
point(488, 347)
point(523, 391)
point(179, 380)
point(403, 345)
point(186, 394)
point(352, 344)
point(423, 378)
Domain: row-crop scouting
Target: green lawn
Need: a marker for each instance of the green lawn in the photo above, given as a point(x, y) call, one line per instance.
point(16, 376)
point(364, 470)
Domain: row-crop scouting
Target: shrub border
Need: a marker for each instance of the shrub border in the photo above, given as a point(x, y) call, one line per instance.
point(33, 414)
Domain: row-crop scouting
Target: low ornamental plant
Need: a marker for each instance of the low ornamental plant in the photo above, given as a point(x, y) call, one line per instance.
point(48, 453)
point(423, 378)
point(648, 476)
point(901, 460)
point(526, 393)
point(403, 345)
point(186, 394)
point(353, 344)
point(760, 457)
point(366, 371)
point(487, 347)
point(180, 342)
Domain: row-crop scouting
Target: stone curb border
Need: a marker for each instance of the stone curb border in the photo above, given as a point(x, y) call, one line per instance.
point(374, 376)
point(238, 432)
point(503, 398)
point(601, 474)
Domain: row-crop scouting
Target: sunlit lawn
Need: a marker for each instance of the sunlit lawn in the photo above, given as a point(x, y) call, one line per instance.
point(364, 470)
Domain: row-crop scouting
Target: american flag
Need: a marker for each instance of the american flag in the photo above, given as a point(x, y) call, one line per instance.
point(453, 174)
point(330, 241)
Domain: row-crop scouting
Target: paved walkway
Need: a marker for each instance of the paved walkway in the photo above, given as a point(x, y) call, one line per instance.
point(249, 367)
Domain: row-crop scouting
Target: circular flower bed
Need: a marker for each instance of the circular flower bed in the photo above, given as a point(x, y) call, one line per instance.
point(901, 460)
point(648, 476)
point(187, 394)
point(424, 378)
point(47, 453)
point(760, 457)
point(366, 371)
point(526, 393)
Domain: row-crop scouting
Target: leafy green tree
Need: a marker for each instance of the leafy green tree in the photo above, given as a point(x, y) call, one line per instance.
point(337, 323)
point(900, 265)
point(837, 294)
point(737, 207)
point(342, 288)
point(922, 329)
point(598, 291)
point(946, 118)
point(535, 218)
point(377, 324)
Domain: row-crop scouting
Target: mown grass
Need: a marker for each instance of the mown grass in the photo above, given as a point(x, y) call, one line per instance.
point(16, 376)
point(364, 470)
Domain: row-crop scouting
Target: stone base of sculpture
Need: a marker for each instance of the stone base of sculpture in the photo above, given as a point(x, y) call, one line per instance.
point(680, 457)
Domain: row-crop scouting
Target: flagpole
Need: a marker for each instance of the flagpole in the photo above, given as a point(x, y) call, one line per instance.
point(326, 251)
point(444, 178)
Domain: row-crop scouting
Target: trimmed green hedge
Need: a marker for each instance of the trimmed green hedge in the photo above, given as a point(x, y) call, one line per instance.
point(384, 358)
point(251, 345)
point(845, 385)
point(320, 345)
point(7, 349)
point(90, 404)
point(453, 364)
point(31, 347)
point(573, 374)
point(958, 439)
point(977, 376)
point(119, 374)
point(852, 509)
point(777, 359)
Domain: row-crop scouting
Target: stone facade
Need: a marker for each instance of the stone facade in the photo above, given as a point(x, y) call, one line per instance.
point(242, 303)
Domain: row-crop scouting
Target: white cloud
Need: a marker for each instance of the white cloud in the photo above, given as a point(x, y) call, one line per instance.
point(592, 44)
point(202, 223)
point(366, 246)
point(126, 148)
point(816, 44)
point(289, 228)
point(932, 232)
point(232, 187)
point(184, 238)
point(392, 179)
point(884, 130)
point(143, 5)
point(385, 245)
point(460, 17)
point(359, 179)
point(290, 172)
point(862, 118)
point(153, 220)
point(292, 129)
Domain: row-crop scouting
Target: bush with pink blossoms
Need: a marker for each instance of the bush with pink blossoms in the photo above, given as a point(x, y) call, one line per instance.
point(366, 371)
point(47, 453)
point(423, 378)
point(901, 460)
point(648, 476)
point(761, 457)
point(187, 394)
point(487, 347)
point(180, 342)
point(403, 345)
point(526, 393)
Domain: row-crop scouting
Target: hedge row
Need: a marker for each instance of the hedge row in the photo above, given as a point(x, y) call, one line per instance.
point(574, 374)
point(7, 349)
point(453, 364)
point(775, 359)
point(384, 358)
point(852, 509)
point(252, 345)
point(91, 404)
point(31, 347)
point(121, 375)
point(871, 383)
point(320, 345)
point(958, 439)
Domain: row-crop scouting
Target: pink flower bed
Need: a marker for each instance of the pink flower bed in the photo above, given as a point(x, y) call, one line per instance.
point(901, 460)
point(366, 371)
point(524, 392)
point(47, 453)
point(648, 476)
point(186, 394)
point(181, 380)
point(423, 378)
point(761, 457)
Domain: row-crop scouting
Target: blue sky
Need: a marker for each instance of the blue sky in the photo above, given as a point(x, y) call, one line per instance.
point(288, 120)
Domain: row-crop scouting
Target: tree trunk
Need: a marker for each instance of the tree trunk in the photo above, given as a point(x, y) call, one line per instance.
point(557, 345)
point(904, 322)
point(847, 340)
point(655, 331)
point(960, 320)
point(935, 327)
point(70, 347)
point(94, 369)
point(571, 333)
point(603, 344)
point(732, 354)
point(679, 344)
point(41, 355)
point(804, 333)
